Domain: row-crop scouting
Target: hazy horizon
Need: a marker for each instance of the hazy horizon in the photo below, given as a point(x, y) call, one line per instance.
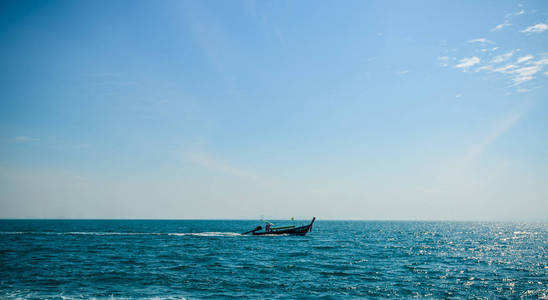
point(362, 110)
point(530, 221)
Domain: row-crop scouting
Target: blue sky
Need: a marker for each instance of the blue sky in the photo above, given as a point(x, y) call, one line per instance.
point(431, 110)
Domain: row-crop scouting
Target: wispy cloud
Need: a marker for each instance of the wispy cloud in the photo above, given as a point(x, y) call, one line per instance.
point(501, 26)
point(481, 40)
point(524, 59)
point(484, 68)
point(516, 72)
point(523, 70)
point(541, 62)
point(503, 57)
point(468, 62)
point(525, 74)
point(23, 139)
point(535, 28)
point(506, 69)
point(507, 20)
point(403, 72)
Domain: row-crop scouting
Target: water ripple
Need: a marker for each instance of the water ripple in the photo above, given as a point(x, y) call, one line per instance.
point(210, 259)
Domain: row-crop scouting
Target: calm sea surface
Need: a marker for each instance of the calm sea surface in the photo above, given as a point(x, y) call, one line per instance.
point(209, 259)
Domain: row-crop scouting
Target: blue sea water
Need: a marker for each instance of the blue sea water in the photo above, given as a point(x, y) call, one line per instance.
point(209, 259)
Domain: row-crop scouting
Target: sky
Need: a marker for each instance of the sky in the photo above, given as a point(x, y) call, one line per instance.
point(374, 110)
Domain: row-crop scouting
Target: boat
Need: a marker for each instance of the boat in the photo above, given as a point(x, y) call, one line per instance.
point(284, 230)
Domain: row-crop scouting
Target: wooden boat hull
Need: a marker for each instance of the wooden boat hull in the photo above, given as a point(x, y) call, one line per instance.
point(302, 230)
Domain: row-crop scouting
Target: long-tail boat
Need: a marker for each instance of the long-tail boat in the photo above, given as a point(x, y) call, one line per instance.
point(285, 230)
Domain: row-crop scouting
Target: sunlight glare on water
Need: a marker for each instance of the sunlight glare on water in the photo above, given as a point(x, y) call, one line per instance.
point(211, 259)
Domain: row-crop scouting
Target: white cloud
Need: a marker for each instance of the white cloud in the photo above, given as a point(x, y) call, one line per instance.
point(23, 139)
point(484, 68)
point(458, 95)
point(505, 69)
point(525, 74)
point(481, 40)
point(468, 62)
point(500, 26)
point(502, 57)
point(524, 59)
point(512, 65)
point(543, 61)
point(536, 28)
point(517, 73)
point(403, 72)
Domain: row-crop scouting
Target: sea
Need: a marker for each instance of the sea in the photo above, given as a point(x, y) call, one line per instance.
point(210, 259)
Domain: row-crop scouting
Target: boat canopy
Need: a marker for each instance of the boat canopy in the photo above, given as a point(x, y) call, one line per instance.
point(283, 227)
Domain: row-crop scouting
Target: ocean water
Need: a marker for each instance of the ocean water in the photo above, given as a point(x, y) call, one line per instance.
point(209, 259)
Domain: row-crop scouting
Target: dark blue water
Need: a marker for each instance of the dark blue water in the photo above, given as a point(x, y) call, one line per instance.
point(208, 259)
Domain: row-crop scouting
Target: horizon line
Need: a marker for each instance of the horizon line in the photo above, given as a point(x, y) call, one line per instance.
point(274, 219)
